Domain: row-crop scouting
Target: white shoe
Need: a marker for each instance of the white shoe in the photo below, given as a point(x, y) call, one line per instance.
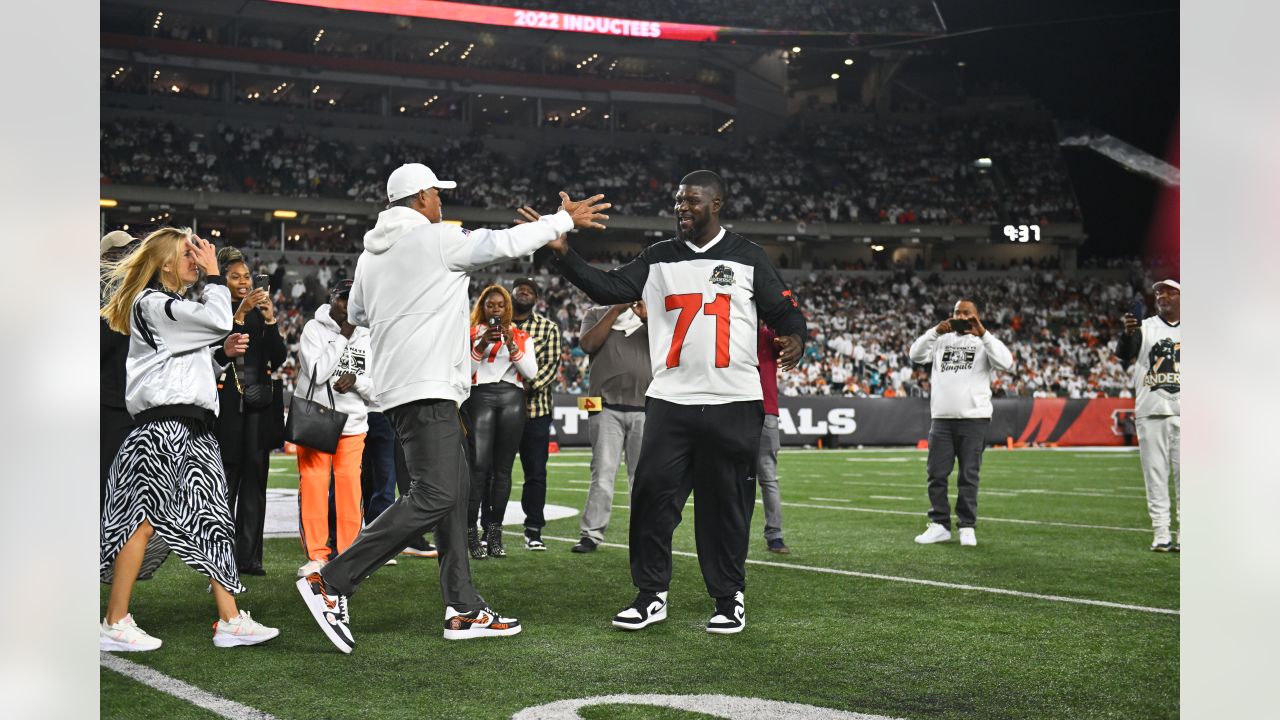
point(478, 624)
point(968, 538)
point(392, 561)
point(933, 533)
point(730, 617)
point(645, 610)
point(312, 566)
point(126, 636)
point(242, 630)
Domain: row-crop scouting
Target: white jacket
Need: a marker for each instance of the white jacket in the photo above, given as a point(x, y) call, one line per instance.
point(410, 290)
point(963, 368)
point(171, 346)
point(498, 364)
point(323, 346)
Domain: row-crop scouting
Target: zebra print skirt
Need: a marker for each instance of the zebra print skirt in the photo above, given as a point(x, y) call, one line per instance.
point(169, 472)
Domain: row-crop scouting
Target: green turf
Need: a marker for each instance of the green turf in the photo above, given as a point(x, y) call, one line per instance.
point(847, 642)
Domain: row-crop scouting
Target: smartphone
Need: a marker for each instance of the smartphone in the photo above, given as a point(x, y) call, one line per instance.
point(493, 321)
point(262, 282)
point(960, 325)
point(1138, 308)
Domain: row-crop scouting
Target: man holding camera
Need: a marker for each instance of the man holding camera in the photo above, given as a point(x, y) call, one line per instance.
point(1156, 343)
point(964, 357)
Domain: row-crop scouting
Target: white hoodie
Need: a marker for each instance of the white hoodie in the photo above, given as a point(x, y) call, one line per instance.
point(963, 368)
point(410, 290)
point(322, 345)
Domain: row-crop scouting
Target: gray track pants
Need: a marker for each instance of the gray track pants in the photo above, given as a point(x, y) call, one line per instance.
point(612, 432)
point(767, 474)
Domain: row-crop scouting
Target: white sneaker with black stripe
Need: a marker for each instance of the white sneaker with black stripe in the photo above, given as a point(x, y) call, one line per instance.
point(645, 610)
point(730, 617)
point(329, 611)
point(478, 624)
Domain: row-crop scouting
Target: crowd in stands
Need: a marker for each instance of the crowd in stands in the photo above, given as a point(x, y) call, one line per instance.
point(1062, 330)
point(874, 173)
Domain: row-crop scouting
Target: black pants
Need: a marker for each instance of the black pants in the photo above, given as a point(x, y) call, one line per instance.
point(711, 451)
point(247, 491)
point(533, 460)
point(378, 467)
point(495, 417)
point(430, 431)
point(950, 440)
point(114, 428)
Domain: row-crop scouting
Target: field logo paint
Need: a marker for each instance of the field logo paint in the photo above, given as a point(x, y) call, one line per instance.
point(721, 706)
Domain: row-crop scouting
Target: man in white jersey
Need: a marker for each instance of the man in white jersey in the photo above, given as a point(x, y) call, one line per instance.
point(706, 291)
point(965, 357)
point(1156, 343)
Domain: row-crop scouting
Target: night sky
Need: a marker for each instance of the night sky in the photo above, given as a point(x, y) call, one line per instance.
point(1119, 76)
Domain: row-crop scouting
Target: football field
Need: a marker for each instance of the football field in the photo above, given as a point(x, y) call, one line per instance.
point(1061, 611)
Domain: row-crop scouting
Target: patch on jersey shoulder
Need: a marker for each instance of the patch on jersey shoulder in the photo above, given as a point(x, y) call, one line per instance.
point(722, 275)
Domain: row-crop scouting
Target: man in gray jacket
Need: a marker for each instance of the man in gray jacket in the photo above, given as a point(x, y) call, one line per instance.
point(411, 292)
point(615, 339)
point(965, 358)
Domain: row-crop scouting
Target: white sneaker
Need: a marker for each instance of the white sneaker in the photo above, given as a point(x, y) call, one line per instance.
point(392, 561)
point(968, 538)
point(242, 630)
point(312, 566)
point(478, 624)
point(933, 533)
point(645, 610)
point(126, 636)
point(730, 617)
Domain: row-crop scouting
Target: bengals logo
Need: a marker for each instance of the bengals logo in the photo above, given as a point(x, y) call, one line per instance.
point(722, 275)
point(1164, 361)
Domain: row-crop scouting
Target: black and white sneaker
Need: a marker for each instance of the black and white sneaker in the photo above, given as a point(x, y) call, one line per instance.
point(730, 617)
point(478, 624)
point(647, 609)
point(329, 611)
point(533, 540)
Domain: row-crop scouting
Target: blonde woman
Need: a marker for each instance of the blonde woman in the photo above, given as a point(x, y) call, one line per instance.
point(502, 358)
point(166, 489)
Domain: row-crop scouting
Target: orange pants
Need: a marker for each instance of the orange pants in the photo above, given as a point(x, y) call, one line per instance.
point(313, 495)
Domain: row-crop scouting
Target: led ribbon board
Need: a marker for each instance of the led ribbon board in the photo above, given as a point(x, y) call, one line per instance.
point(535, 19)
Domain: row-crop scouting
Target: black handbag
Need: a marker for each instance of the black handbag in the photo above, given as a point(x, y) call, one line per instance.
point(311, 424)
point(253, 395)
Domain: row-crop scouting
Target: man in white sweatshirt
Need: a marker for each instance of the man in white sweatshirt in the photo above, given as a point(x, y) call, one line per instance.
point(965, 358)
point(411, 292)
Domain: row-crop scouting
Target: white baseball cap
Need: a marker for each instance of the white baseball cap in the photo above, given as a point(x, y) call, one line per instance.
point(410, 178)
point(1171, 283)
point(114, 239)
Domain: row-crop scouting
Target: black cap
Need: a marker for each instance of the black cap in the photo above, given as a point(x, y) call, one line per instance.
point(526, 281)
point(340, 289)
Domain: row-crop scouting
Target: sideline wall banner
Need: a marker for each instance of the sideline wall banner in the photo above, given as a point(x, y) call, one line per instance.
point(844, 422)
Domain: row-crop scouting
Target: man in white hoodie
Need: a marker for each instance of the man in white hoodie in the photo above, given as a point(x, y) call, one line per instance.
point(965, 358)
point(411, 291)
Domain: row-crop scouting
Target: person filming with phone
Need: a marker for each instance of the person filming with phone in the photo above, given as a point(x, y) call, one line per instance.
point(964, 357)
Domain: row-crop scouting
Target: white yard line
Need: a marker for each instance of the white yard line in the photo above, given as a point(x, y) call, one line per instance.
point(916, 513)
point(879, 497)
point(829, 499)
point(917, 581)
point(215, 704)
point(1013, 491)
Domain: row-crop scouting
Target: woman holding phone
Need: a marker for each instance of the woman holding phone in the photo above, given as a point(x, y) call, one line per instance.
point(166, 489)
point(502, 356)
point(251, 407)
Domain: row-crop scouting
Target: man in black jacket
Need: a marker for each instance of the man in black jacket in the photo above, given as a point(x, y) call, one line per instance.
point(113, 350)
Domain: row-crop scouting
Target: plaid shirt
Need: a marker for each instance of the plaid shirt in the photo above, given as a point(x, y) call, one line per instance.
point(546, 344)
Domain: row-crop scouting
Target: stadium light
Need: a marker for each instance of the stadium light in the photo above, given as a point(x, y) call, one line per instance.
point(107, 203)
point(835, 76)
point(982, 162)
point(284, 214)
point(848, 61)
point(877, 248)
point(795, 49)
point(960, 64)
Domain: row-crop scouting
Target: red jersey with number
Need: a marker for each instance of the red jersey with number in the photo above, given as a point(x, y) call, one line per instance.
point(705, 306)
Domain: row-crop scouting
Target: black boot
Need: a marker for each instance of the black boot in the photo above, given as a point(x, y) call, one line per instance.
point(478, 551)
point(495, 542)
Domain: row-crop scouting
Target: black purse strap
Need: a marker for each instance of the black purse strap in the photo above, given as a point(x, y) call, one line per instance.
point(327, 386)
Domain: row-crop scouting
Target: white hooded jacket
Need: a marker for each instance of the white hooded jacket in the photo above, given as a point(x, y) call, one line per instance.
point(410, 290)
point(323, 346)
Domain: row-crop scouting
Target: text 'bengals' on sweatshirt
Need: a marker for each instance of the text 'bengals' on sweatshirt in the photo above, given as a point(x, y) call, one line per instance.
point(963, 368)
